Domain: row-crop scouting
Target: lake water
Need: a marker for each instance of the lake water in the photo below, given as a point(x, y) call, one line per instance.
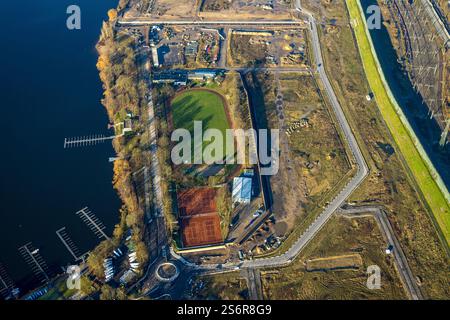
point(50, 90)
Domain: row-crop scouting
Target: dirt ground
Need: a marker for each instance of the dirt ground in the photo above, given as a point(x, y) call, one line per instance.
point(275, 47)
point(243, 54)
point(227, 286)
point(169, 9)
point(351, 243)
point(359, 238)
point(314, 158)
point(246, 9)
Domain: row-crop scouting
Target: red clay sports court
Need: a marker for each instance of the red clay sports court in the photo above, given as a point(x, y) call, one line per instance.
point(199, 220)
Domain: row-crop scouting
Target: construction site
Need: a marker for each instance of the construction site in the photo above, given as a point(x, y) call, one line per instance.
point(275, 47)
point(248, 8)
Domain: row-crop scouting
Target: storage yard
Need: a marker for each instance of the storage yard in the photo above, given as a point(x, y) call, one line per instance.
point(190, 47)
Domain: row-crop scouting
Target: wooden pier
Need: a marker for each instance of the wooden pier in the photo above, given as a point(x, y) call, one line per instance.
point(86, 140)
point(94, 223)
point(37, 264)
point(68, 243)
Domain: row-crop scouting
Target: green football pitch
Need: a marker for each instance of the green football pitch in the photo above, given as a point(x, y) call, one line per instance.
point(199, 105)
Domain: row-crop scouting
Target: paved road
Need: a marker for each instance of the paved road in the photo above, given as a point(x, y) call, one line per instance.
point(253, 277)
point(278, 69)
point(401, 262)
point(146, 22)
point(336, 203)
point(362, 169)
point(439, 21)
point(320, 221)
point(156, 219)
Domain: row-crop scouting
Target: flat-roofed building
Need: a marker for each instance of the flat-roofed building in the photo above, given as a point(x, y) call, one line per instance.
point(175, 77)
point(191, 49)
point(155, 57)
point(242, 190)
point(202, 74)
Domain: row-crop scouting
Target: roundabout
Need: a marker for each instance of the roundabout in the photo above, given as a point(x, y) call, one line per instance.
point(167, 272)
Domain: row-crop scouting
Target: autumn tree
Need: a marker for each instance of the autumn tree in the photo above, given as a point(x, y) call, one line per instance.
point(107, 293)
point(87, 286)
point(123, 4)
point(97, 256)
point(112, 14)
point(141, 253)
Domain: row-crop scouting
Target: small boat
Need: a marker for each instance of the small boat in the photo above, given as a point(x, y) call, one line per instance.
point(35, 251)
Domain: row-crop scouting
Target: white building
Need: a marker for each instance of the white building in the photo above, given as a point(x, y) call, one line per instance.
point(242, 190)
point(155, 56)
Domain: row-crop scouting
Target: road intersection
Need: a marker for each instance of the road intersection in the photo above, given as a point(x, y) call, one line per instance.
point(336, 203)
point(400, 260)
point(251, 266)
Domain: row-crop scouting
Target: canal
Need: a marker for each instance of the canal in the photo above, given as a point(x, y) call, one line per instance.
point(426, 129)
point(50, 89)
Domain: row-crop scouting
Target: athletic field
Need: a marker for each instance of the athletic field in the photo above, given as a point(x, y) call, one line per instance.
point(199, 105)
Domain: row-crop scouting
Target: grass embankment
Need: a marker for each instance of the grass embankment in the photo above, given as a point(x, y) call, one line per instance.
point(432, 194)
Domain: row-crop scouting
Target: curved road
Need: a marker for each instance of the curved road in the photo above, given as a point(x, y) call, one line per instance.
point(335, 204)
point(362, 169)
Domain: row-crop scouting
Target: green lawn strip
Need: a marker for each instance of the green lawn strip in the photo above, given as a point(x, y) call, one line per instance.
point(435, 197)
point(199, 105)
